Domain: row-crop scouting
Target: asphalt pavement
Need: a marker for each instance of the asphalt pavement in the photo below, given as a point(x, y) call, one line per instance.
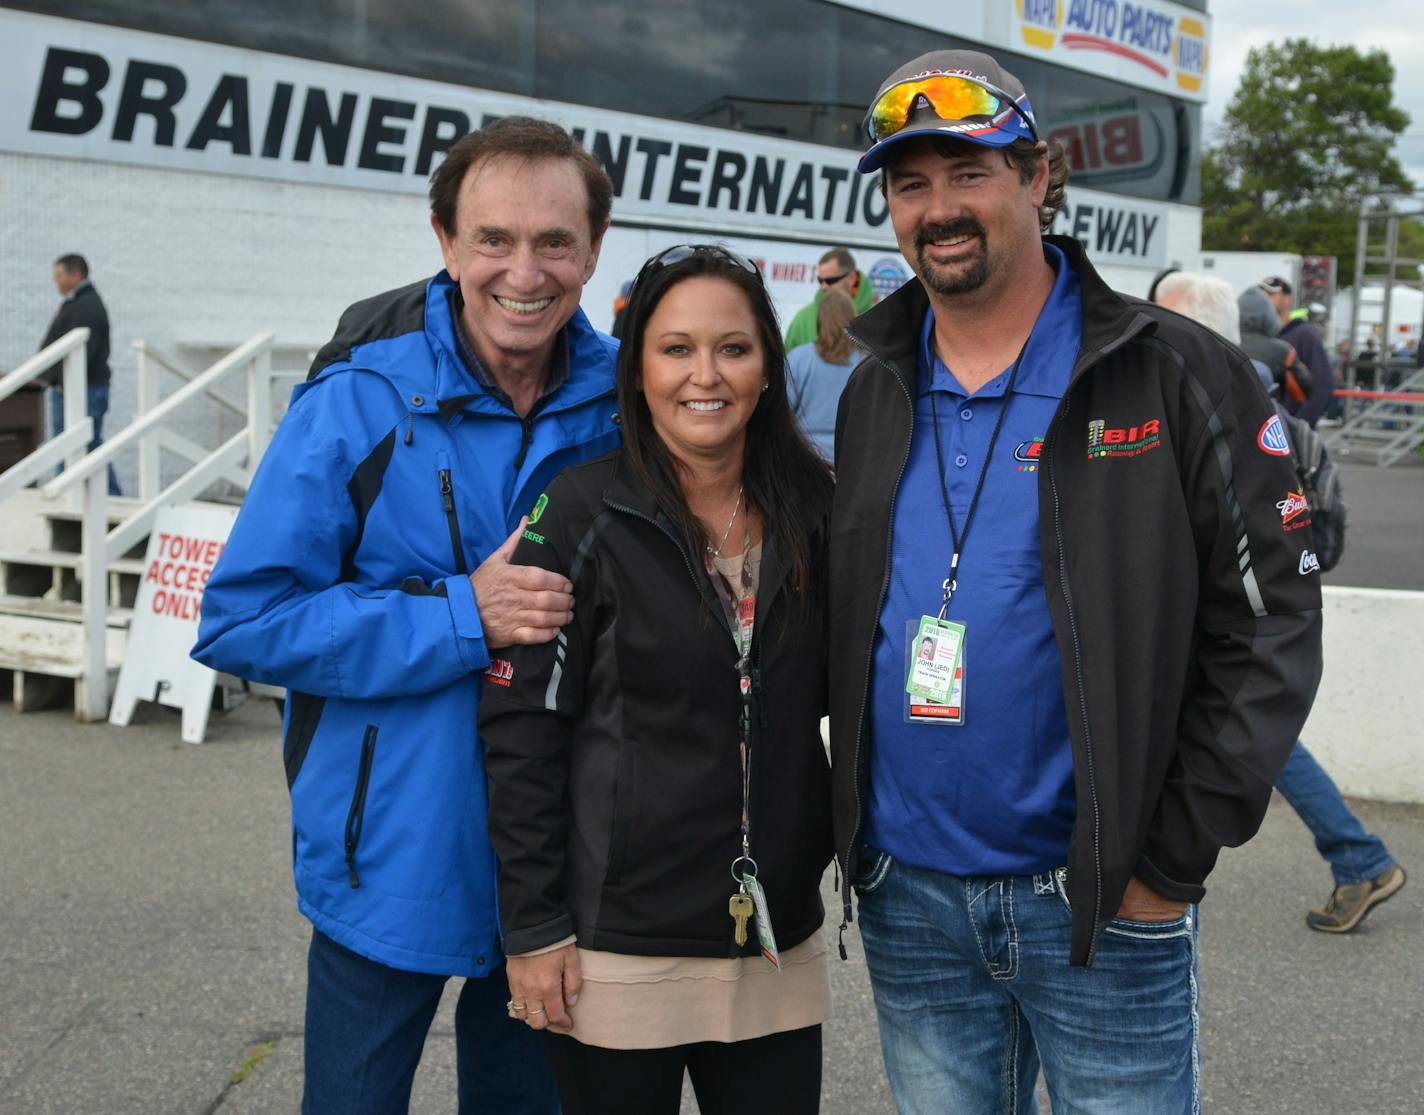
point(153, 960)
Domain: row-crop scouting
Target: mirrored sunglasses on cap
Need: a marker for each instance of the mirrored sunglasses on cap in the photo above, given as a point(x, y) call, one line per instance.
point(953, 97)
point(680, 252)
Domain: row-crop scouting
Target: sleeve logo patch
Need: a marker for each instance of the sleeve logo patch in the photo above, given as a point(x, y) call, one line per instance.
point(500, 672)
point(1309, 563)
point(1123, 441)
point(1272, 437)
point(1295, 510)
point(539, 505)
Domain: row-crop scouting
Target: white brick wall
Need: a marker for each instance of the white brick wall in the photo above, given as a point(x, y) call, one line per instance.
point(196, 263)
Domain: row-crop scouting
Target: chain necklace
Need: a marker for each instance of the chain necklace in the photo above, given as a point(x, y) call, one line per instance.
point(717, 552)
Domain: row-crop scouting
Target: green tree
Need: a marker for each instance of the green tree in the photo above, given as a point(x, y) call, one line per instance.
point(1308, 136)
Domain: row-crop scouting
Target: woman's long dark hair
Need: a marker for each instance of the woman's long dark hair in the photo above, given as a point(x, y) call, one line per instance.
point(782, 476)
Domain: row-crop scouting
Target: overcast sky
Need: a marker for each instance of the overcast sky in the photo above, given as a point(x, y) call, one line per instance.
point(1395, 25)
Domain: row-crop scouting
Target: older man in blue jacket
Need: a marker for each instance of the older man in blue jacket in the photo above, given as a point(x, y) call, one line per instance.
point(368, 573)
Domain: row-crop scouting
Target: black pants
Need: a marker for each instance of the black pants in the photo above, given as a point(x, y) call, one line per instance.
point(780, 1074)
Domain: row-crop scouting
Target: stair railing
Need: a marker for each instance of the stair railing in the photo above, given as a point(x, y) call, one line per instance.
point(78, 427)
point(235, 460)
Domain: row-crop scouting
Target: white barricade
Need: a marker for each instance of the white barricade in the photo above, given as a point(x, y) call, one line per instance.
point(1368, 716)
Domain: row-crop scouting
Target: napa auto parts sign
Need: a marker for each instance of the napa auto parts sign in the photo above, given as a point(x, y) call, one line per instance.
point(1148, 43)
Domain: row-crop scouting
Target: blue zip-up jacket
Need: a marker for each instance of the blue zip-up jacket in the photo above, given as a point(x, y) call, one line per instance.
point(346, 579)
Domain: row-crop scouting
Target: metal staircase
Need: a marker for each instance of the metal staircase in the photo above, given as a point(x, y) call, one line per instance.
point(1389, 428)
point(71, 555)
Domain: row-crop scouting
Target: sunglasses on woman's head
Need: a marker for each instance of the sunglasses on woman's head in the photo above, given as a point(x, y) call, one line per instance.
point(680, 252)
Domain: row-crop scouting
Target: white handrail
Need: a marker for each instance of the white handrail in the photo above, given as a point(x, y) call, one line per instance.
point(144, 349)
point(43, 360)
point(212, 467)
point(91, 463)
point(41, 461)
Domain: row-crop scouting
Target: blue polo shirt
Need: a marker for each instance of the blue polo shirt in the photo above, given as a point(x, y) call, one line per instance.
point(993, 795)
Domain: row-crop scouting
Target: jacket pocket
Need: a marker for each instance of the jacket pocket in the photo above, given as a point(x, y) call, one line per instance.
point(356, 815)
point(452, 517)
point(872, 867)
point(621, 816)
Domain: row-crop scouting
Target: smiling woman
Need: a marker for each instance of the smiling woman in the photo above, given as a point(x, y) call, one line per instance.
point(658, 787)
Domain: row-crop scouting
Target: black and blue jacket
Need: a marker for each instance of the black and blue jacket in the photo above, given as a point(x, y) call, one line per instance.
point(346, 579)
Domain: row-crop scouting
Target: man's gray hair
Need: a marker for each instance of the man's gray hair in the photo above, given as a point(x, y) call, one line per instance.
point(1205, 299)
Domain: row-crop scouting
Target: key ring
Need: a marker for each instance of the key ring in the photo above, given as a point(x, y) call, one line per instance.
point(739, 879)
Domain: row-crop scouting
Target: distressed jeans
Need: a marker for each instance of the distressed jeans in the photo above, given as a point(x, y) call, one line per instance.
point(1354, 855)
point(974, 993)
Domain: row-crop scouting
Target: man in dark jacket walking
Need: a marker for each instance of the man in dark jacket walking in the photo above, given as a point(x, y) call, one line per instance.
point(1075, 494)
point(82, 308)
point(1297, 332)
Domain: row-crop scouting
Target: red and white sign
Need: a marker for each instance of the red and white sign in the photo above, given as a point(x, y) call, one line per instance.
point(182, 550)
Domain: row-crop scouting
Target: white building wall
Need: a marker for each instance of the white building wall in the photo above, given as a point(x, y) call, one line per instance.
point(194, 264)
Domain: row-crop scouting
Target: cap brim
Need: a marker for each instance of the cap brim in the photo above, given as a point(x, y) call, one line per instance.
point(986, 135)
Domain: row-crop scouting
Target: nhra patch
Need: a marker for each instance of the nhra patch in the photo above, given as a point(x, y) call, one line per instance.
point(1027, 455)
point(1272, 437)
point(1123, 441)
point(1295, 511)
point(500, 672)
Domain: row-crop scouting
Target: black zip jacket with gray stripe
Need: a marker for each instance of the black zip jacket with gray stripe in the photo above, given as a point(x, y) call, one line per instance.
point(1186, 615)
point(612, 752)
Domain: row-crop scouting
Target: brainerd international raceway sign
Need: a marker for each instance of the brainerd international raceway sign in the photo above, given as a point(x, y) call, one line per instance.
point(85, 91)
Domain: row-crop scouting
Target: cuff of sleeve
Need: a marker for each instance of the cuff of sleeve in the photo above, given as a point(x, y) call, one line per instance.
point(571, 939)
point(539, 938)
point(465, 615)
point(1166, 887)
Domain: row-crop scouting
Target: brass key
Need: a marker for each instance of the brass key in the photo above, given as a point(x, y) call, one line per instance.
point(740, 907)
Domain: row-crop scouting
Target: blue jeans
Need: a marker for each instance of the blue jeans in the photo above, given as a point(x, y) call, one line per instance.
point(97, 403)
point(1354, 855)
point(366, 1027)
point(974, 992)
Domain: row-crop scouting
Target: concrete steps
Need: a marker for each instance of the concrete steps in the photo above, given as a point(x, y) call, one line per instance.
point(41, 621)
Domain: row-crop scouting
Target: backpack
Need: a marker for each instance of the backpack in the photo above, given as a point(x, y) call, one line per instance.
point(1319, 478)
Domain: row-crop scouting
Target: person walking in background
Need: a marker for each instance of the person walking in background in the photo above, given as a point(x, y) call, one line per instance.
point(1365, 872)
point(659, 793)
point(1301, 335)
point(82, 308)
point(816, 373)
point(1063, 486)
point(835, 271)
point(368, 572)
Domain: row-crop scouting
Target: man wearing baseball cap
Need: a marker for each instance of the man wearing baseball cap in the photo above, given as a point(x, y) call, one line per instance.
point(1075, 494)
point(1298, 332)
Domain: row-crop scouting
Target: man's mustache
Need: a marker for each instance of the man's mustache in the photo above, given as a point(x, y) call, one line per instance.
point(964, 226)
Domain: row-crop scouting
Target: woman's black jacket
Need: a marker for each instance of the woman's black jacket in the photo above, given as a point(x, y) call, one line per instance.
point(612, 751)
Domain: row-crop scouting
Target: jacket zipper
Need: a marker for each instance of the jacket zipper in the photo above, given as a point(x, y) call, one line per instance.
point(869, 661)
point(687, 562)
point(1082, 696)
point(526, 435)
point(447, 500)
point(356, 815)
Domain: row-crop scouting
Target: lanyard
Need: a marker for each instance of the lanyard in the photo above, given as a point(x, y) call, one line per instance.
point(741, 616)
point(951, 582)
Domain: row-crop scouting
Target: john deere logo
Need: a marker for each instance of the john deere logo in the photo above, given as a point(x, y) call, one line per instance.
point(539, 505)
